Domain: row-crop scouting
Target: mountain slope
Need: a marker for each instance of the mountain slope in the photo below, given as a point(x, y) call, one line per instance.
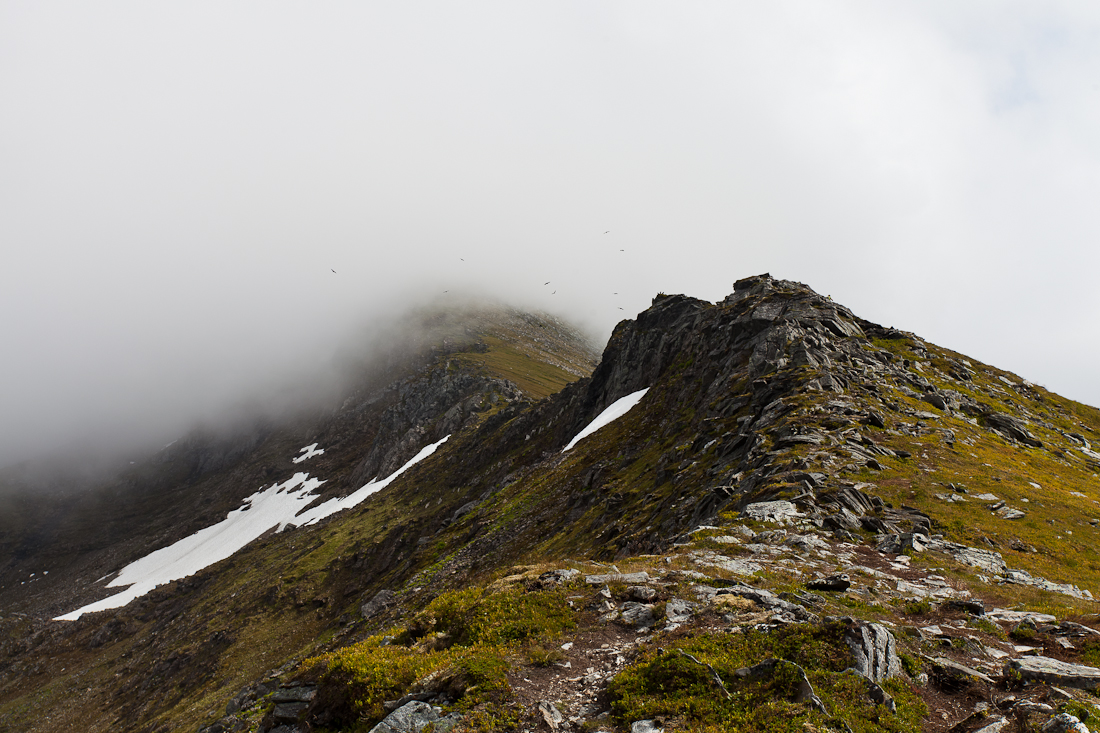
point(774, 408)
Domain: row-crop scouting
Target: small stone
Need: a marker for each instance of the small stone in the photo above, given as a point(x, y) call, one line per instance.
point(550, 714)
point(995, 725)
point(642, 593)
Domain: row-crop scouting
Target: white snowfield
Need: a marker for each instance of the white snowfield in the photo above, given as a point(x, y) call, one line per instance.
point(277, 506)
point(332, 506)
point(308, 452)
point(614, 411)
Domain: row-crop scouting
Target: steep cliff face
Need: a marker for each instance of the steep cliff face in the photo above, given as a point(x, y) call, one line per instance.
point(779, 436)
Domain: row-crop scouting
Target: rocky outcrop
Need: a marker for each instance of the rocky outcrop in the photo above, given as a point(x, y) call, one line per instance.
point(874, 651)
point(414, 717)
point(1055, 672)
point(428, 407)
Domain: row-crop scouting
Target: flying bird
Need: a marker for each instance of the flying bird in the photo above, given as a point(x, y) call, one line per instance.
point(608, 231)
point(546, 283)
point(333, 271)
point(554, 293)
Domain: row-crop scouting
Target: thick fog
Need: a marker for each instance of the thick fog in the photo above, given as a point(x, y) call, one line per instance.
point(201, 202)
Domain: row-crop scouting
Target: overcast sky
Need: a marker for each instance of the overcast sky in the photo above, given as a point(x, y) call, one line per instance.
point(179, 180)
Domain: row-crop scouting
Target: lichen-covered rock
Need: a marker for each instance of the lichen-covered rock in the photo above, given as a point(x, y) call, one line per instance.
point(1055, 672)
point(413, 717)
point(678, 611)
point(641, 577)
point(780, 512)
point(1064, 723)
point(639, 615)
point(874, 651)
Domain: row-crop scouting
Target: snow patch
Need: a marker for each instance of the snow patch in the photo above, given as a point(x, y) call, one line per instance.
point(614, 411)
point(277, 506)
point(308, 452)
point(317, 513)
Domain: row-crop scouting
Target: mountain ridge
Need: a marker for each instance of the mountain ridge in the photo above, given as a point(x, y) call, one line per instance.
point(773, 407)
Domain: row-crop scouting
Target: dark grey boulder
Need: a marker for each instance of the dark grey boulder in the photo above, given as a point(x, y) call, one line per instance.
point(382, 600)
point(973, 606)
point(288, 711)
point(1069, 628)
point(464, 509)
point(832, 583)
point(1014, 427)
point(936, 400)
point(902, 543)
point(875, 419)
point(295, 693)
point(844, 519)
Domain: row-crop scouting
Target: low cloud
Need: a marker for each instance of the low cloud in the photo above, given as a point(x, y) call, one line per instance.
point(205, 204)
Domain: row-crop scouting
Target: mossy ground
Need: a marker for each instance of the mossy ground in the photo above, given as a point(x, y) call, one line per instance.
point(1056, 486)
point(667, 684)
point(469, 639)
